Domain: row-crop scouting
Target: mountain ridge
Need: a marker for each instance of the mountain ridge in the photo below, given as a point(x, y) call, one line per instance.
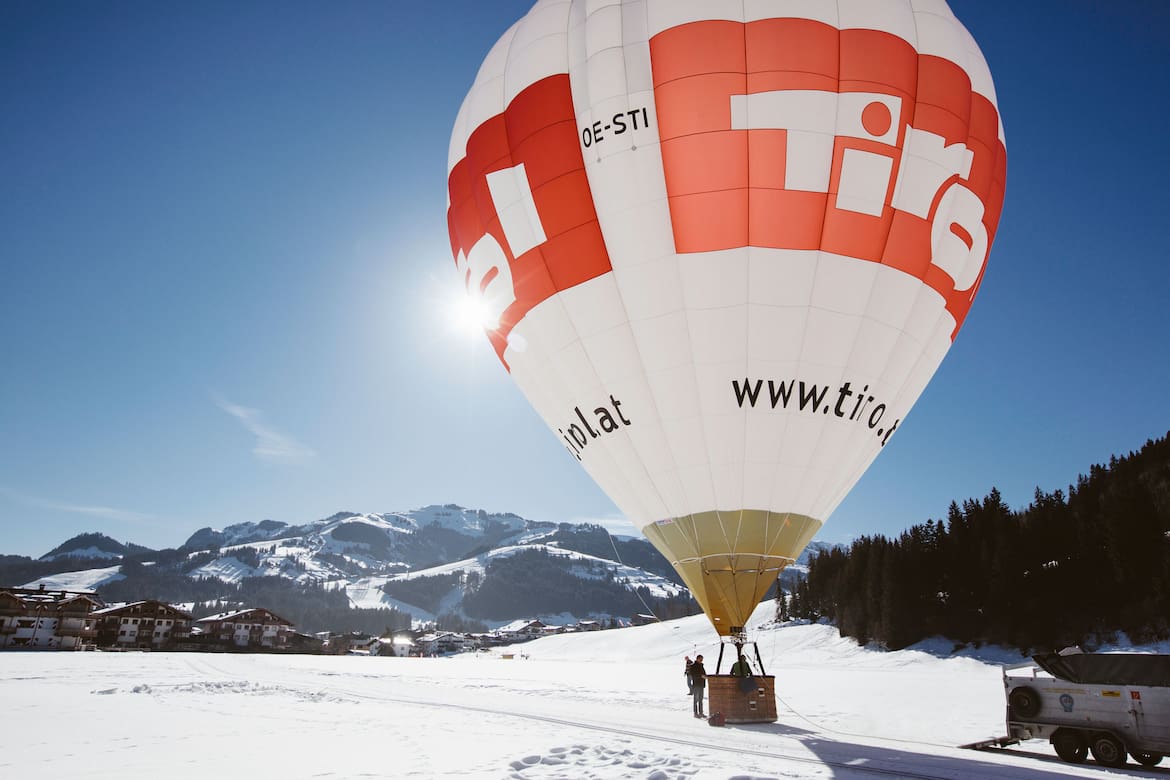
point(91, 545)
point(440, 561)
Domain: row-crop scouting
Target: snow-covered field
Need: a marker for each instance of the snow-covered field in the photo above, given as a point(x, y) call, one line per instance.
point(606, 705)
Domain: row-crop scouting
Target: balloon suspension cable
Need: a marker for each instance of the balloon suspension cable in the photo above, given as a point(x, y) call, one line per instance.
point(618, 556)
point(739, 640)
point(780, 595)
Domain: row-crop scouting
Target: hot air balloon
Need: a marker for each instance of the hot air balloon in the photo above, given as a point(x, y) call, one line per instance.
point(724, 245)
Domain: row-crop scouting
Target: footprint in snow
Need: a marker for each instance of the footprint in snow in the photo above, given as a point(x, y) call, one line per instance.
point(583, 759)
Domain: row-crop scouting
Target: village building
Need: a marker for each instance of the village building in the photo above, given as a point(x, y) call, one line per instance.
point(50, 620)
point(299, 642)
point(355, 643)
point(487, 639)
point(444, 643)
point(146, 625)
point(246, 628)
point(521, 630)
point(400, 646)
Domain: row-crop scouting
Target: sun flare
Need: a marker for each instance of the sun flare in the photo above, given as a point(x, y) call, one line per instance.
point(469, 314)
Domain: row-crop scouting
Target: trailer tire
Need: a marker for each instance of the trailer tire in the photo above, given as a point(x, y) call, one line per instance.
point(1024, 701)
point(1070, 746)
point(1147, 759)
point(1107, 749)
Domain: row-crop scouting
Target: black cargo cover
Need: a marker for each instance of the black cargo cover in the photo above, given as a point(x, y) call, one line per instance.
point(1108, 668)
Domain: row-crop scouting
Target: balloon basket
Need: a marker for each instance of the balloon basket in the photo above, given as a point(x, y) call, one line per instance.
point(742, 699)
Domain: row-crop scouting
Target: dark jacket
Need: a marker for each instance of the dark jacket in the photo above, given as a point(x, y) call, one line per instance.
point(698, 675)
point(741, 668)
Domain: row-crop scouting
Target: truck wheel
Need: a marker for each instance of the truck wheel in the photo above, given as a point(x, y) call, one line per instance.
point(1070, 746)
point(1147, 759)
point(1024, 701)
point(1107, 749)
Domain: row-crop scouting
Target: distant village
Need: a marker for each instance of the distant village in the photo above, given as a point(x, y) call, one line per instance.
point(45, 619)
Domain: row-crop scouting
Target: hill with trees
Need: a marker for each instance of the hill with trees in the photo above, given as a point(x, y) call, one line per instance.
point(1068, 569)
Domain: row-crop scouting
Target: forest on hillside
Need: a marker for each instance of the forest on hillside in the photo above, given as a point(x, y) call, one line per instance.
point(1073, 568)
point(535, 582)
point(595, 540)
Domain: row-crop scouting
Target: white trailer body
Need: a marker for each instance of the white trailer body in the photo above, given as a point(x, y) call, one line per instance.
point(1109, 705)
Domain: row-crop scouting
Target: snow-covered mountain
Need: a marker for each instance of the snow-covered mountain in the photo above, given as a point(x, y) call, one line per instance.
point(348, 545)
point(390, 532)
point(375, 592)
point(425, 562)
point(91, 546)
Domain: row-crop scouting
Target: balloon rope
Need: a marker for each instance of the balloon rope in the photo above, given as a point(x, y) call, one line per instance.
point(618, 555)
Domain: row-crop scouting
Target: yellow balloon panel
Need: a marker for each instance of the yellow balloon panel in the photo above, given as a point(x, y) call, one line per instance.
point(729, 560)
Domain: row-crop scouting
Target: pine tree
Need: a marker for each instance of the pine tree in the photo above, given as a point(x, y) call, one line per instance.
point(782, 614)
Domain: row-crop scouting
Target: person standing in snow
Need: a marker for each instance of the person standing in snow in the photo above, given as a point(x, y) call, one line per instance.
point(698, 684)
point(690, 682)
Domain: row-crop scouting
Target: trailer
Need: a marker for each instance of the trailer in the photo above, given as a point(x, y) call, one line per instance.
point(1109, 705)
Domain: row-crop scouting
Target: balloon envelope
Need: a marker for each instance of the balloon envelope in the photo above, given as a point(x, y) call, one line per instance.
point(724, 246)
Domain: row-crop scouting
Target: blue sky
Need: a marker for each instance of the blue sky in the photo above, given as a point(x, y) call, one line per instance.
point(226, 276)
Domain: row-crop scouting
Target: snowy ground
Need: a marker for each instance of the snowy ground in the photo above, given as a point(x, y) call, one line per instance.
point(607, 705)
point(87, 579)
